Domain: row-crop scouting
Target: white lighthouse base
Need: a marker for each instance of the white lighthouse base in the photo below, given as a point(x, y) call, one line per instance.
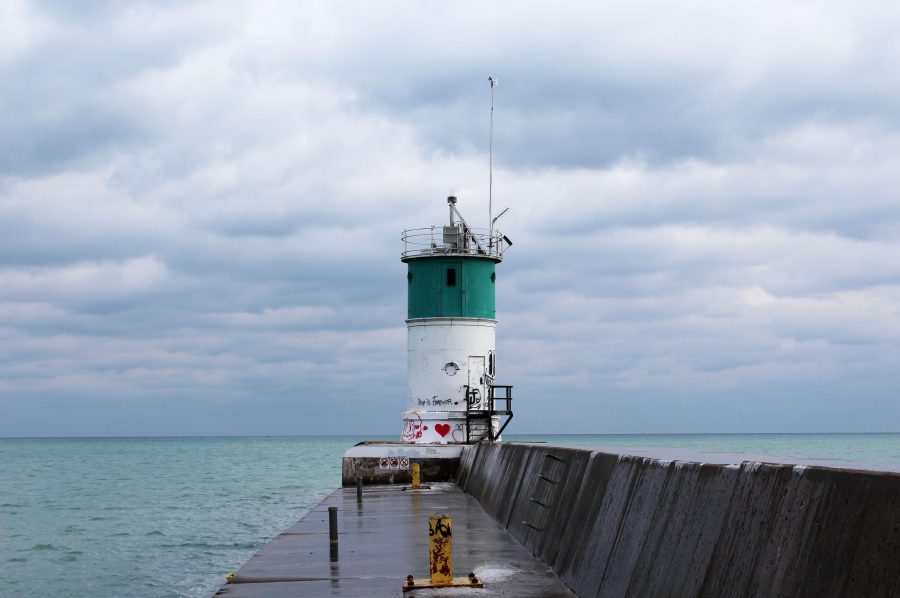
point(444, 427)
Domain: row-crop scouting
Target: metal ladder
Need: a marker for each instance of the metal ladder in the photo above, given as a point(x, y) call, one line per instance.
point(545, 493)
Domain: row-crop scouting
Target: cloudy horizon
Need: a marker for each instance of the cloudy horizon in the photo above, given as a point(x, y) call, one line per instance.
point(201, 206)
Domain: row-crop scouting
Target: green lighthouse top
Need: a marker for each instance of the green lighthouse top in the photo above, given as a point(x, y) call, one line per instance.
point(451, 269)
point(457, 239)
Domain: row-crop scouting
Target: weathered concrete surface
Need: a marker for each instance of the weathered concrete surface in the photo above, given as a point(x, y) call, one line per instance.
point(382, 540)
point(704, 525)
point(438, 463)
point(370, 472)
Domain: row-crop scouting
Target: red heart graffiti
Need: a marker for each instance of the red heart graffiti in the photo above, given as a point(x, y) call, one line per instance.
point(442, 429)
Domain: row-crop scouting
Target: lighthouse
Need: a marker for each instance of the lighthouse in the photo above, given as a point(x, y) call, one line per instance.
point(451, 325)
point(452, 398)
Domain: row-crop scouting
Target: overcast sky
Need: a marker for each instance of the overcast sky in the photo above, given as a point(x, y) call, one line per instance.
point(201, 206)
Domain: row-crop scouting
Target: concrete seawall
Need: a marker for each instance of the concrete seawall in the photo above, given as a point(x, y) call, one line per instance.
point(617, 525)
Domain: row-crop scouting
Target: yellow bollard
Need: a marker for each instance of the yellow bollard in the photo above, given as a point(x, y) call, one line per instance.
point(440, 559)
point(416, 476)
point(440, 534)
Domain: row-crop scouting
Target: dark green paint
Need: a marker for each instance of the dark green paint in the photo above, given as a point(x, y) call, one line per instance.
point(430, 296)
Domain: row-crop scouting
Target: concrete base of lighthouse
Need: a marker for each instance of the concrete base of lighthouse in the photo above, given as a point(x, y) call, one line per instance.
point(391, 463)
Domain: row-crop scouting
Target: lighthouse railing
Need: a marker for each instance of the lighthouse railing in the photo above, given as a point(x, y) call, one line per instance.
point(452, 240)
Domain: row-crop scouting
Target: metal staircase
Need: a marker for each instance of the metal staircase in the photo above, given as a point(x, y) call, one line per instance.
point(480, 415)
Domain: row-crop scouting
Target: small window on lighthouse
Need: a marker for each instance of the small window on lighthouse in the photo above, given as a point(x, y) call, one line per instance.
point(451, 277)
point(451, 369)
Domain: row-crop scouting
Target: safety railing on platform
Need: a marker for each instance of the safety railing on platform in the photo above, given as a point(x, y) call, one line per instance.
point(453, 240)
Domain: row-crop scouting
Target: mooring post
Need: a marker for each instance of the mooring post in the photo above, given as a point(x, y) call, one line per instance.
point(358, 488)
point(416, 476)
point(440, 559)
point(332, 525)
point(440, 533)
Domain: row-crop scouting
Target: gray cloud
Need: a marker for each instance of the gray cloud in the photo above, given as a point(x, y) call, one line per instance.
point(200, 210)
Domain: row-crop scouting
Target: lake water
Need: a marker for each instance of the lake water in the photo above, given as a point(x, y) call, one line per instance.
point(172, 516)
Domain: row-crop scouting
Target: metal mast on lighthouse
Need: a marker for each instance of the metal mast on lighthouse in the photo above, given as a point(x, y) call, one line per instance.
point(452, 398)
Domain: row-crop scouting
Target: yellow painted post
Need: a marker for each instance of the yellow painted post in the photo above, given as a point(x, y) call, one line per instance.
point(441, 545)
point(440, 559)
point(416, 476)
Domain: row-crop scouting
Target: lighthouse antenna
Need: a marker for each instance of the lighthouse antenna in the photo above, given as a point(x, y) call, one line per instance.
point(493, 82)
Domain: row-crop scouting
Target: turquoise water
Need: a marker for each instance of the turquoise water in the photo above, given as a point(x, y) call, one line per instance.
point(172, 516)
point(150, 516)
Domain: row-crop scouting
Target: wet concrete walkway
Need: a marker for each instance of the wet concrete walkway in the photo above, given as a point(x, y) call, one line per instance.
point(383, 539)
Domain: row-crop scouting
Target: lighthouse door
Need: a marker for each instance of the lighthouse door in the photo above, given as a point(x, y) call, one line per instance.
point(476, 382)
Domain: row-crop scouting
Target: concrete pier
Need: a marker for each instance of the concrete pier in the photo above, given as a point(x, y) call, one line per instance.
point(610, 523)
point(384, 538)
